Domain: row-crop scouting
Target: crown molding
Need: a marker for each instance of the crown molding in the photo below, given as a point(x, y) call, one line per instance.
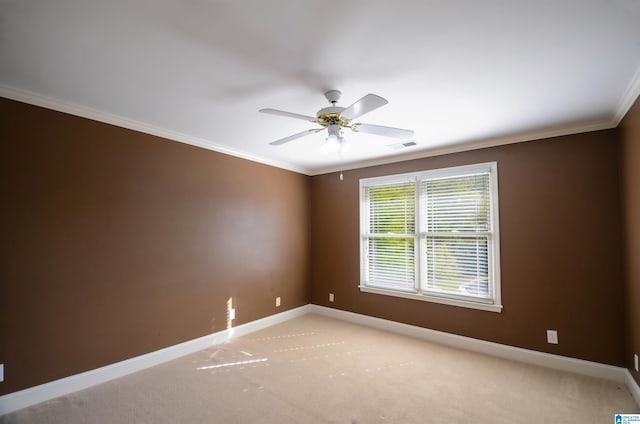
point(631, 94)
point(47, 102)
point(480, 144)
point(628, 98)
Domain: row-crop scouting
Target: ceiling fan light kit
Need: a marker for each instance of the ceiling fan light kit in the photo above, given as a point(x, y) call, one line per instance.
point(334, 142)
point(335, 119)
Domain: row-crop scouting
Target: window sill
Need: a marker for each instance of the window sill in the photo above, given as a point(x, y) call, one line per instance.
point(433, 299)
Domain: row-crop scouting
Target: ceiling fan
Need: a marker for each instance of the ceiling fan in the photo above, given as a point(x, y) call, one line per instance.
point(335, 118)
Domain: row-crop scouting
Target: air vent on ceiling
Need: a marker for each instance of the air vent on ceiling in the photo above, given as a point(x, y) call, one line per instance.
point(403, 145)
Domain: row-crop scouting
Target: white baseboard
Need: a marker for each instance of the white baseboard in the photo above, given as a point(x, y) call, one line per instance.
point(633, 387)
point(33, 395)
point(533, 357)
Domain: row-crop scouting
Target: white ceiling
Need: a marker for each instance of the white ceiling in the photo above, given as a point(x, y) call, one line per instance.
point(462, 74)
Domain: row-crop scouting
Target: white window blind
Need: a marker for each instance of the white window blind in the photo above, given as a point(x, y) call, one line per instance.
point(390, 246)
point(457, 213)
point(432, 235)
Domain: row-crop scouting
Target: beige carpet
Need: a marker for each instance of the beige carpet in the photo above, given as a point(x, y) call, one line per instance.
point(314, 369)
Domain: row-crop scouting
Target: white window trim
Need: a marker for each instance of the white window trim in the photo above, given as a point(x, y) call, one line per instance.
point(495, 304)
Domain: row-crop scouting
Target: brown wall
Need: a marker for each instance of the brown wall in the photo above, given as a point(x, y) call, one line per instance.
point(630, 160)
point(560, 248)
point(117, 243)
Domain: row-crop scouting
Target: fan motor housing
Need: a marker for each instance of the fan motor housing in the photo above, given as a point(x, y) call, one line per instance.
point(331, 116)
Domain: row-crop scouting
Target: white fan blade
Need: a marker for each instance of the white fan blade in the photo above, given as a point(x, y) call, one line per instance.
point(293, 137)
point(383, 131)
point(289, 114)
point(362, 106)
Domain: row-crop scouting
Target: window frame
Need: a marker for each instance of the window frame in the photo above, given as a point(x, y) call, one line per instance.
point(420, 291)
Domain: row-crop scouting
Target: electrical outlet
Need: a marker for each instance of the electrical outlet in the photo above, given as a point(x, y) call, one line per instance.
point(232, 314)
point(277, 301)
point(635, 361)
point(330, 297)
point(2, 370)
point(552, 336)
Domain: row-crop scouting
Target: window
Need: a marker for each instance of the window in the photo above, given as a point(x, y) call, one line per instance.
point(432, 236)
